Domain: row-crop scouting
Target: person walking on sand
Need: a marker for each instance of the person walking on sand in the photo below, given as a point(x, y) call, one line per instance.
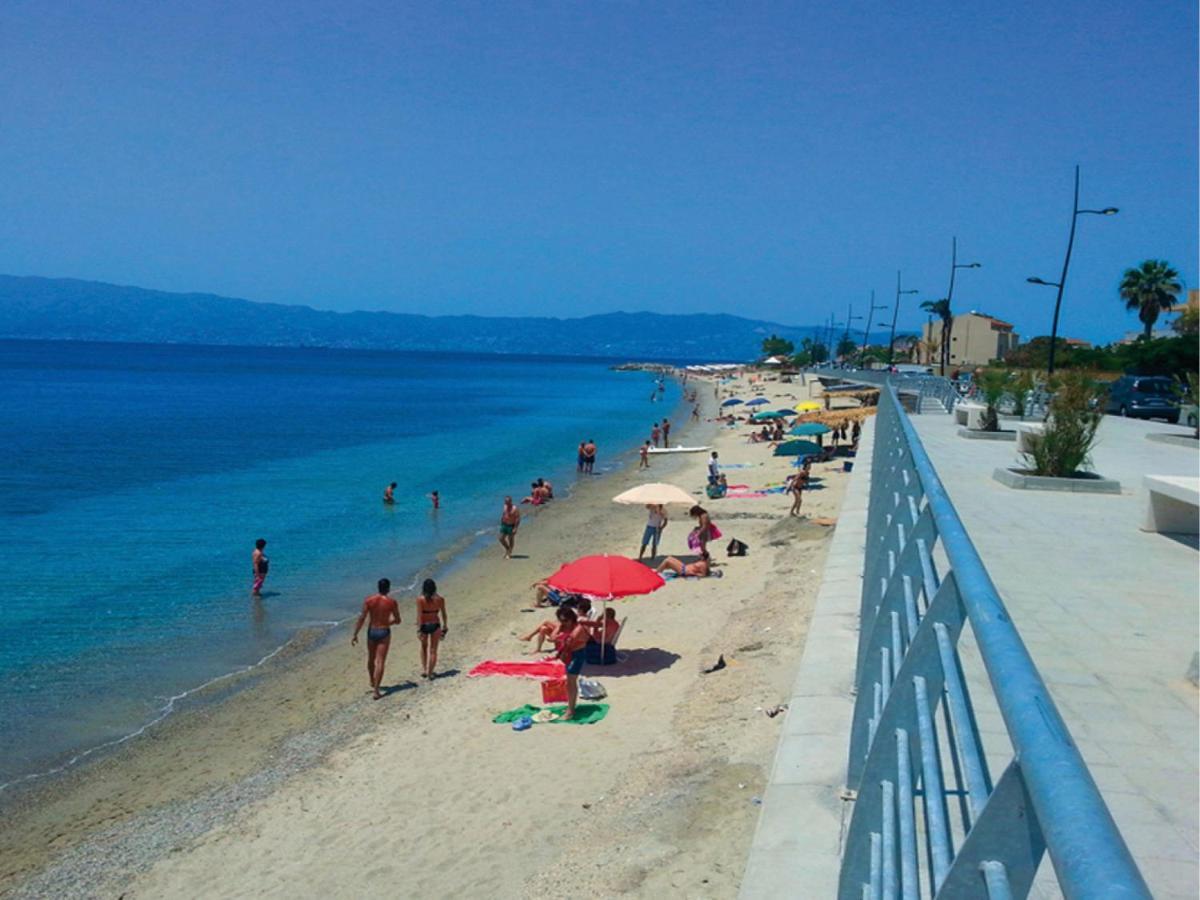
point(432, 625)
point(644, 461)
point(666, 426)
point(259, 564)
point(799, 482)
point(655, 434)
point(714, 469)
point(570, 643)
point(696, 413)
point(383, 613)
point(389, 494)
point(589, 456)
point(510, 520)
point(656, 521)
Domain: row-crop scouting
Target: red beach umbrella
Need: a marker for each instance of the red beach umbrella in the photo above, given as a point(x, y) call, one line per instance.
point(606, 577)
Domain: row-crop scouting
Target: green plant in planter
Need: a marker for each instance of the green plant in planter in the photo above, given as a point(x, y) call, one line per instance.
point(1064, 447)
point(993, 385)
point(1019, 385)
point(1187, 392)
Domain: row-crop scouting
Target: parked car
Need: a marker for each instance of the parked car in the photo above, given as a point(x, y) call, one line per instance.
point(1144, 397)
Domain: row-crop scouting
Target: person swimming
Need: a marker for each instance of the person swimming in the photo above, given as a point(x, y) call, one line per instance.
point(389, 494)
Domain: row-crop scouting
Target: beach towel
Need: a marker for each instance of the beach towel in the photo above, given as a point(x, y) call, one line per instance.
point(585, 714)
point(539, 669)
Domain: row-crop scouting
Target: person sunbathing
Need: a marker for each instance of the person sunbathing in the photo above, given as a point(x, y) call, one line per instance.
point(701, 568)
point(546, 595)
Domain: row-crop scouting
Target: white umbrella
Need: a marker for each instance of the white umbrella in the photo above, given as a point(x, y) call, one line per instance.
point(654, 493)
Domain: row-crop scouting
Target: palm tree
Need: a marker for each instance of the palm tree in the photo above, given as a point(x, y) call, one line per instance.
point(1149, 289)
point(941, 309)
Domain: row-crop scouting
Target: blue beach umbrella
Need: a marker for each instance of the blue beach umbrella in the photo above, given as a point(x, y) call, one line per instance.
point(806, 429)
point(787, 412)
point(798, 448)
point(732, 401)
point(764, 416)
point(757, 401)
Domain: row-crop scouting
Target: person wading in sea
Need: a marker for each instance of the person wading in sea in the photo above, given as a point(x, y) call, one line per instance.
point(666, 426)
point(259, 564)
point(383, 612)
point(589, 456)
point(389, 494)
point(510, 520)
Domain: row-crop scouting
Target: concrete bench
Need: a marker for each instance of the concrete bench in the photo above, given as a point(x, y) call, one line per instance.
point(1172, 504)
point(965, 413)
point(1025, 430)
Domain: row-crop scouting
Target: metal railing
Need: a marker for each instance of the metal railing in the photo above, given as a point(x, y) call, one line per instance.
point(928, 820)
point(930, 389)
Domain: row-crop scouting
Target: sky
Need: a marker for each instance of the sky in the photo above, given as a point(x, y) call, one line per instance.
point(773, 160)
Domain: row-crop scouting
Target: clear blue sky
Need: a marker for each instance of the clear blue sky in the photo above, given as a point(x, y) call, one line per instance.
point(773, 160)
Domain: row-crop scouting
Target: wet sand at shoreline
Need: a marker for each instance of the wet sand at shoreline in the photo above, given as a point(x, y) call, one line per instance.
point(302, 785)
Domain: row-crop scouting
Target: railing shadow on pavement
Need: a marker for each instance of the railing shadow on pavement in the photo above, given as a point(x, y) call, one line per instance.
point(928, 820)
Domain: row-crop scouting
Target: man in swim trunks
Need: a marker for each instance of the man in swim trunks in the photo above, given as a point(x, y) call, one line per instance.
point(644, 462)
point(589, 456)
point(510, 520)
point(666, 426)
point(655, 434)
point(432, 625)
point(383, 612)
point(389, 494)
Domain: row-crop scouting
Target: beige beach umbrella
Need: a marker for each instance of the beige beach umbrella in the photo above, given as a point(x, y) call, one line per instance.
point(654, 493)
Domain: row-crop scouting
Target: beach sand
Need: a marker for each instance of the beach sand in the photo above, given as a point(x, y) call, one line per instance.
point(301, 785)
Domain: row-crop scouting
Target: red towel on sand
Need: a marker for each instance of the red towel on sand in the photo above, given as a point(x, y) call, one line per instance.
point(539, 669)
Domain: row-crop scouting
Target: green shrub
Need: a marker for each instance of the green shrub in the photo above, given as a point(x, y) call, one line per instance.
point(1064, 448)
point(1021, 383)
point(993, 385)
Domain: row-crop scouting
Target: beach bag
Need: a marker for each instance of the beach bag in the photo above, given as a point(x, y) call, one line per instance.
point(737, 548)
point(713, 531)
point(591, 690)
point(554, 690)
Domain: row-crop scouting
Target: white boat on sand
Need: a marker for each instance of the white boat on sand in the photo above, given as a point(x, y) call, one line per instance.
point(679, 449)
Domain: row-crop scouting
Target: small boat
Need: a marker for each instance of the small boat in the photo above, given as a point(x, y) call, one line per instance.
point(679, 449)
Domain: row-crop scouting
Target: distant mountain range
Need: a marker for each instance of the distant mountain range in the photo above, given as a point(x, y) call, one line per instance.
point(70, 309)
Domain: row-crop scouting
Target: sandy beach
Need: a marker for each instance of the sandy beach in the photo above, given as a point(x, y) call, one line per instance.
point(300, 785)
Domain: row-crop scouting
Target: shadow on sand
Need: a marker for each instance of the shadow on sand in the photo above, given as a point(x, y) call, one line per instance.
point(642, 661)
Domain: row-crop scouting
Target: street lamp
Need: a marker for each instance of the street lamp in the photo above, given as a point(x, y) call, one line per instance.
point(955, 265)
point(1076, 213)
point(895, 313)
point(850, 317)
point(862, 356)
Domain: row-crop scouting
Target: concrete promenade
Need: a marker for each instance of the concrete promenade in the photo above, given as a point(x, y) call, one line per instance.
point(1110, 615)
point(1108, 612)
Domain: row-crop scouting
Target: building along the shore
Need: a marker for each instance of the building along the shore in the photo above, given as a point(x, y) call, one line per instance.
point(975, 338)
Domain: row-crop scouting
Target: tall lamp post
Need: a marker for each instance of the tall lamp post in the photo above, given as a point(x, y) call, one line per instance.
point(895, 313)
point(955, 265)
point(862, 356)
point(850, 317)
point(1075, 214)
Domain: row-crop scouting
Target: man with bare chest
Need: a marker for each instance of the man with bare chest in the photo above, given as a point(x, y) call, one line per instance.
point(383, 612)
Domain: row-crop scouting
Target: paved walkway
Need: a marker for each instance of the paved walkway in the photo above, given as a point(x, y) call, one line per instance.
point(1109, 614)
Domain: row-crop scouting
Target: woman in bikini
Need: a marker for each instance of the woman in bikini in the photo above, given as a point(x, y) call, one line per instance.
point(570, 642)
point(432, 625)
point(704, 527)
point(701, 568)
point(799, 482)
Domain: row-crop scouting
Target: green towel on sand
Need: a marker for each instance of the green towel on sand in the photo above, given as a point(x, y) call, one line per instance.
point(585, 714)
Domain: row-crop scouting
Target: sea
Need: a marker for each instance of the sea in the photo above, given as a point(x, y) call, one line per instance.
point(136, 478)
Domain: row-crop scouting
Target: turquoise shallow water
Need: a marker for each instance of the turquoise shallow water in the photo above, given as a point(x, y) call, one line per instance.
point(136, 479)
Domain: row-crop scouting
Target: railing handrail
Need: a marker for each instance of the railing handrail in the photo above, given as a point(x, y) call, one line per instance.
point(1087, 850)
point(909, 669)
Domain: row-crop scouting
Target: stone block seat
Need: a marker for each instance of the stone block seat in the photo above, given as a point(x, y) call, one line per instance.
point(1172, 504)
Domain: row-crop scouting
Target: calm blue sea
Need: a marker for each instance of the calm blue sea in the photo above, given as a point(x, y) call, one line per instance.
point(135, 479)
